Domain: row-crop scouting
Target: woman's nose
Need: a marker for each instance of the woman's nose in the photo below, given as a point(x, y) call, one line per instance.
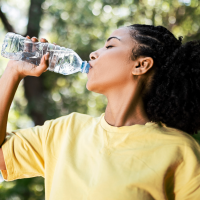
point(93, 56)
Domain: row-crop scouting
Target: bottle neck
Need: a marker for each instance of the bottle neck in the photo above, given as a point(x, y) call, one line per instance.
point(85, 67)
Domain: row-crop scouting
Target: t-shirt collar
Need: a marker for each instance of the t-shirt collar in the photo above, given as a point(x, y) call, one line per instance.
point(123, 129)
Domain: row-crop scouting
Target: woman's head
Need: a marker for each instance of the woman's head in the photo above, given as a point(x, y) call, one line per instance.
point(170, 70)
point(113, 67)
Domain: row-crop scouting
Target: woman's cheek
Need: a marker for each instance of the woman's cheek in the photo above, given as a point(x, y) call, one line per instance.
point(107, 75)
point(98, 80)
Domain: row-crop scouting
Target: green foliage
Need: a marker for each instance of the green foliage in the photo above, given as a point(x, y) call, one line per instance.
point(26, 189)
point(84, 27)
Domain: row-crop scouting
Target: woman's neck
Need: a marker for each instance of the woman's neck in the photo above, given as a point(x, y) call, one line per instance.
point(125, 107)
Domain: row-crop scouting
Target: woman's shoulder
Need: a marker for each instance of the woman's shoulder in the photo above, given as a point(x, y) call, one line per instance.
point(74, 118)
point(79, 116)
point(175, 136)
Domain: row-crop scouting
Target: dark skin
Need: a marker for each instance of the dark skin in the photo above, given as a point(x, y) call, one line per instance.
point(120, 79)
point(9, 81)
point(112, 73)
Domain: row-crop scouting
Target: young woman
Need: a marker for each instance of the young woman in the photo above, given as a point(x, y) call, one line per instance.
point(140, 148)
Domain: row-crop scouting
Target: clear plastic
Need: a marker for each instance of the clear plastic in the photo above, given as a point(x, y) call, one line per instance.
point(61, 60)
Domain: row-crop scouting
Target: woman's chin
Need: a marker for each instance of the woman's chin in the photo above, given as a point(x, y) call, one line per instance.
point(93, 87)
point(89, 86)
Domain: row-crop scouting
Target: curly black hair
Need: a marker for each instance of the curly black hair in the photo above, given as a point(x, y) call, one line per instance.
point(173, 96)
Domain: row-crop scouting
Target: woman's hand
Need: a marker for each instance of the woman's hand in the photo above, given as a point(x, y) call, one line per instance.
point(24, 69)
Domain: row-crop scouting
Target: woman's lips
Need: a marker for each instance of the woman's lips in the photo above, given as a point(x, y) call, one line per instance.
point(90, 65)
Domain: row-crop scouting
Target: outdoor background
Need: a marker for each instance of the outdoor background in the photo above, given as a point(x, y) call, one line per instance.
point(84, 26)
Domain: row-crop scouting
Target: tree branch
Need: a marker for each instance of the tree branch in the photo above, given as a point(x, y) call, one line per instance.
point(5, 22)
point(33, 86)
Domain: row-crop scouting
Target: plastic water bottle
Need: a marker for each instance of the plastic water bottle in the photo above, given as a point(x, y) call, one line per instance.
point(61, 60)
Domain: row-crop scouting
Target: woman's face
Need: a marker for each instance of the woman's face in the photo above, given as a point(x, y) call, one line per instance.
point(111, 65)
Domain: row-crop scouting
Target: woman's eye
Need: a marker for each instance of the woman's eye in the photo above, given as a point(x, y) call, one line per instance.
point(108, 47)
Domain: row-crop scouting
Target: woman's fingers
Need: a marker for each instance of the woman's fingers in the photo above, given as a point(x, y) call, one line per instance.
point(44, 63)
point(34, 39)
point(27, 44)
point(43, 40)
point(38, 70)
point(32, 46)
point(47, 57)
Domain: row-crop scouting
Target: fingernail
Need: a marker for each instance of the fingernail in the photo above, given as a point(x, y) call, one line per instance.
point(46, 56)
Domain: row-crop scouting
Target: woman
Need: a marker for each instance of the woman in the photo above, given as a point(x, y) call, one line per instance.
point(140, 148)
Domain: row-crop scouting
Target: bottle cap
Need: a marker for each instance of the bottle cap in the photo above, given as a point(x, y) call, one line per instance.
point(85, 67)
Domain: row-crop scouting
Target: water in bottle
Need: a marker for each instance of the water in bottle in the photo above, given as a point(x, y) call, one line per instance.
point(61, 60)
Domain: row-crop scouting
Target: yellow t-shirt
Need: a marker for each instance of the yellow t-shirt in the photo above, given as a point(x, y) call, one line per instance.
point(85, 158)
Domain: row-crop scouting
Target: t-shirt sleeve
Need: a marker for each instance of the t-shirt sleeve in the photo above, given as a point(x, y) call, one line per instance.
point(187, 178)
point(24, 151)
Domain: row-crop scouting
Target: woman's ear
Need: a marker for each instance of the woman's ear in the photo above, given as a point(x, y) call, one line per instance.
point(142, 65)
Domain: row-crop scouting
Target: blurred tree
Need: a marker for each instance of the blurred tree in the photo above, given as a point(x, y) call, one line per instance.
point(33, 86)
point(5, 22)
point(83, 26)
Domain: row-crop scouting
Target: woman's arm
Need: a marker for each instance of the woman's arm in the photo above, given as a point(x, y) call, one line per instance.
point(2, 161)
point(9, 83)
point(13, 74)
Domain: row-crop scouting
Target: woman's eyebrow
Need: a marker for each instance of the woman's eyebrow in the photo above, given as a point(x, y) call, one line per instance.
point(111, 38)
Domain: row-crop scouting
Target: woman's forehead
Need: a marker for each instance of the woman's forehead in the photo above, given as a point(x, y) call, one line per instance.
point(122, 33)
